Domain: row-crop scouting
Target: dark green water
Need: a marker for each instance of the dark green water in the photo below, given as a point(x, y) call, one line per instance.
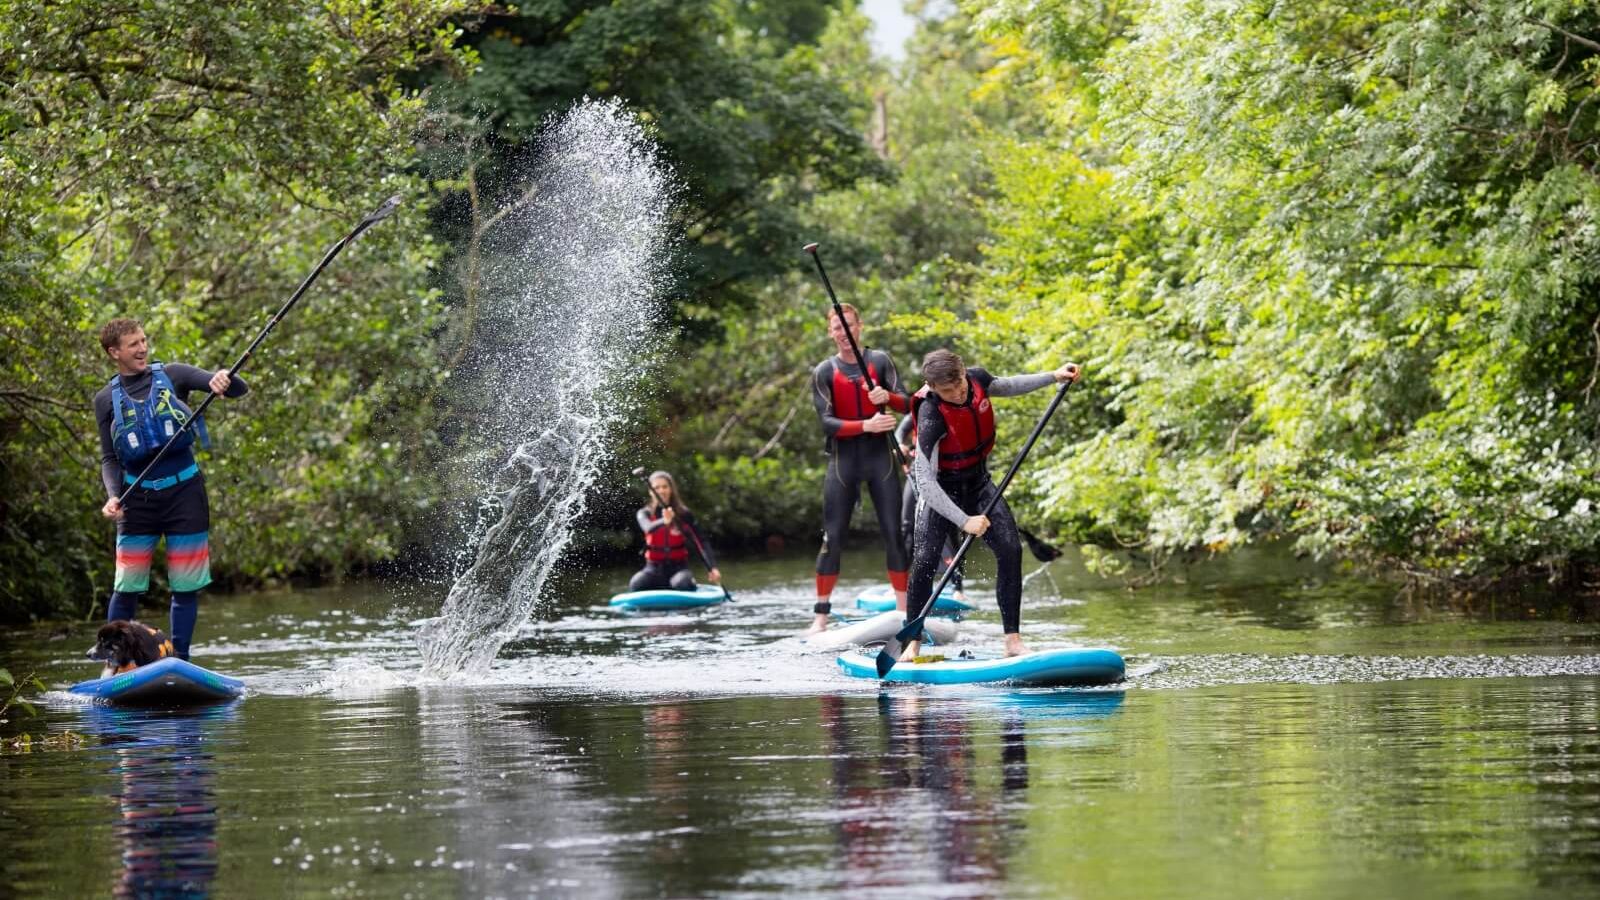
point(1289, 736)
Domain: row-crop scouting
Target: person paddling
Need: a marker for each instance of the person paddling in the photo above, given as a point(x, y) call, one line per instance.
point(858, 454)
point(954, 437)
point(908, 513)
point(669, 528)
point(144, 405)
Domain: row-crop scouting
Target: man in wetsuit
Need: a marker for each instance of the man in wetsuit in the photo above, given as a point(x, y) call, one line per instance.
point(955, 434)
point(858, 439)
point(143, 406)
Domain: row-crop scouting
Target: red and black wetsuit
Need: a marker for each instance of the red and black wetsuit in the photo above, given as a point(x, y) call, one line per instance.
point(857, 457)
point(952, 474)
point(666, 552)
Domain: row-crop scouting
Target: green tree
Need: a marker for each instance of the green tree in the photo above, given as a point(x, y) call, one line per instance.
point(187, 163)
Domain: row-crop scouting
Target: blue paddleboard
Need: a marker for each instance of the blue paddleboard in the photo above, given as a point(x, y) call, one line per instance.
point(881, 599)
point(704, 595)
point(165, 682)
point(1047, 668)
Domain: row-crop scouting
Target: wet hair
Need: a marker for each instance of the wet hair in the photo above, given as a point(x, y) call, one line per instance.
point(942, 367)
point(677, 498)
point(112, 332)
point(856, 313)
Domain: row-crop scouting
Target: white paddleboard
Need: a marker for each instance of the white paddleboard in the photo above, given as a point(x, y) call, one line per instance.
point(880, 627)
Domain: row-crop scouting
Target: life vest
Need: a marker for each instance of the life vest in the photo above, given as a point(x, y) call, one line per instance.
point(850, 400)
point(152, 642)
point(140, 428)
point(665, 544)
point(968, 428)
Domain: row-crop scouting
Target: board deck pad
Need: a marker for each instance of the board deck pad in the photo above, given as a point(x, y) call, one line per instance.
point(1045, 668)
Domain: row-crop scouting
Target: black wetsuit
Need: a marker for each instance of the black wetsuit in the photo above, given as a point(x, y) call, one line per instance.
point(667, 574)
point(949, 497)
point(908, 516)
point(857, 457)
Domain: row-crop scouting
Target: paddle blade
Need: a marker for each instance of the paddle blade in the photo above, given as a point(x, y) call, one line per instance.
point(384, 211)
point(1041, 551)
point(887, 657)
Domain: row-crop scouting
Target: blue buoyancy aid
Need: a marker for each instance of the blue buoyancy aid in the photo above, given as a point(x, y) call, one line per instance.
point(139, 428)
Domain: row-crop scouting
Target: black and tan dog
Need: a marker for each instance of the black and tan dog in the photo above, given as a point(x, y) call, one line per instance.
point(124, 646)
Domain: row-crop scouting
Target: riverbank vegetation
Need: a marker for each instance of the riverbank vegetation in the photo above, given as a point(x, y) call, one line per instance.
point(1331, 267)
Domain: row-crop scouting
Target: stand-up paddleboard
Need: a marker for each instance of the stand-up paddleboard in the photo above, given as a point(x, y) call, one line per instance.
point(704, 595)
point(165, 682)
point(1047, 668)
point(878, 628)
point(881, 598)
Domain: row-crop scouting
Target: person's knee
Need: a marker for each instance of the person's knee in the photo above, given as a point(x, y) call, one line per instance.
point(640, 580)
point(682, 580)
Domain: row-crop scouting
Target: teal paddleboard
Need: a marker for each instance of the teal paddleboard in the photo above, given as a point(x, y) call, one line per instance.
point(1046, 668)
point(704, 595)
point(165, 682)
point(881, 599)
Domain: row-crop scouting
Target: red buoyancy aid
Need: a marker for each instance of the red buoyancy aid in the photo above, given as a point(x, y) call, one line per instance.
point(850, 400)
point(665, 544)
point(968, 428)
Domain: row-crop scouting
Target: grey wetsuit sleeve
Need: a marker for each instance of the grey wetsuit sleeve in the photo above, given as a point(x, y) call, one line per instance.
point(110, 466)
point(1020, 384)
point(925, 465)
point(647, 524)
point(188, 379)
point(902, 432)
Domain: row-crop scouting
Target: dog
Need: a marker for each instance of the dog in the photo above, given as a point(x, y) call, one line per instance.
point(124, 646)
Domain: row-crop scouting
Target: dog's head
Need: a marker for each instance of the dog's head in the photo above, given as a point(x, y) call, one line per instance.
point(115, 643)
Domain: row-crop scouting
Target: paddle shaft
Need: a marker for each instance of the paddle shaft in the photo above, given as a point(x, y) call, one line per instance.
point(372, 218)
point(693, 535)
point(914, 627)
point(838, 310)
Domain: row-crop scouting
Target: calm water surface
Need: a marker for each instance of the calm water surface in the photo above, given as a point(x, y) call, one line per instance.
point(1286, 735)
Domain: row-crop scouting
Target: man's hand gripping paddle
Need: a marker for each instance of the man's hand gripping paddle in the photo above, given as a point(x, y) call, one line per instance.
point(373, 218)
point(861, 360)
point(890, 654)
point(639, 472)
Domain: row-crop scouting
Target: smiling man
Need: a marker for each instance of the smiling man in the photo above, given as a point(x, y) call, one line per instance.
point(143, 407)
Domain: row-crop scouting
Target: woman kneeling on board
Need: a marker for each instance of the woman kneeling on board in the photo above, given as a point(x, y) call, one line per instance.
point(668, 528)
point(954, 436)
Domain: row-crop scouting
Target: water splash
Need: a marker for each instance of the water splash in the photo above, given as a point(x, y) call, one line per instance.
point(579, 262)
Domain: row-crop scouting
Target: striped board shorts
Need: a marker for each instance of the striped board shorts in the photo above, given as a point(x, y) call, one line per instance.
point(188, 561)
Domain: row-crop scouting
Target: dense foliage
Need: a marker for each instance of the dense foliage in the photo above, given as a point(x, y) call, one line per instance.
point(1331, 266)
point(187, 164)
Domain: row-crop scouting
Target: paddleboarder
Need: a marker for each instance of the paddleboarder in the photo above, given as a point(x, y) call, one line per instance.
point(669, 528)
point(856, 429)
point(954, 437)
point(144, 405)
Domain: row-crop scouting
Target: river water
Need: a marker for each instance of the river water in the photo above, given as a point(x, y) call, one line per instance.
point(1287, 733)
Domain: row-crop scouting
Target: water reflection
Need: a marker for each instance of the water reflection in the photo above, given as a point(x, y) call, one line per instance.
point(926, 791)
point(166, 796)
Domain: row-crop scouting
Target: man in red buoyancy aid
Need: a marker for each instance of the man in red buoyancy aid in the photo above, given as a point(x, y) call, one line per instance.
point(858, 454)
point(954, 437)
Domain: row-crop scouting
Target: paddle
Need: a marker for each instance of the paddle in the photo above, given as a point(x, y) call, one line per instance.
point(686, 527)
point(1041, 551)
point(861, 360)
point(890, 654)
point(373, 218)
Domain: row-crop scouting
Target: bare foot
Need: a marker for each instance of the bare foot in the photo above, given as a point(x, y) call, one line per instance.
point(1014, 645)
point(912, 650)
point(819, 624)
